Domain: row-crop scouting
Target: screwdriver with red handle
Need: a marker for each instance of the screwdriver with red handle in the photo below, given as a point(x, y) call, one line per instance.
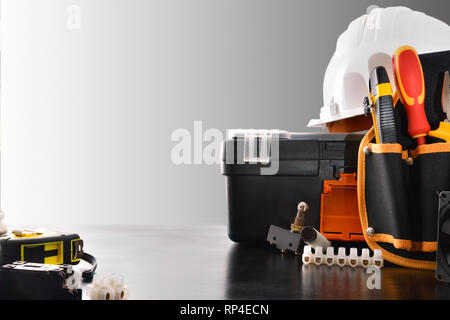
point(411, 90)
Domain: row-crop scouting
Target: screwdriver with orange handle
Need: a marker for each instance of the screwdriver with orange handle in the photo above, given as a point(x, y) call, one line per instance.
point(411, 90)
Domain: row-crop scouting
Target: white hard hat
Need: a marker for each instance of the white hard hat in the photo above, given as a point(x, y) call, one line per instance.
point(370, 41)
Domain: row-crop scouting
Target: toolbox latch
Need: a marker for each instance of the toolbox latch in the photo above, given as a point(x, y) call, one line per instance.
point(258, 145)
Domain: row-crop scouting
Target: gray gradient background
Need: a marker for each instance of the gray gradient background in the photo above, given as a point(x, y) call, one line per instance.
point(87, 115)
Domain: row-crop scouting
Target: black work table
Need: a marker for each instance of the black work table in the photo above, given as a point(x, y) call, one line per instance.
point(202, 263)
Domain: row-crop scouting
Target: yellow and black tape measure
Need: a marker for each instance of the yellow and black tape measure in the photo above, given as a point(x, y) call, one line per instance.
point(47, 247)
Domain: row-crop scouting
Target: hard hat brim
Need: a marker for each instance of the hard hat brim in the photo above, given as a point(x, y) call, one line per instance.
point(317, 123)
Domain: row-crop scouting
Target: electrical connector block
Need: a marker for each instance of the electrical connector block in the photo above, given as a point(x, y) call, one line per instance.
point(330, 258)
point(318, 256)
point(353, 260)
point(377, 259)
point(307, 255)
point(341, 257)
point(107, 287)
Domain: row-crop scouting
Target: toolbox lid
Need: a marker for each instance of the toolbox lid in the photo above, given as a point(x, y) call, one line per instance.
point(246, 152)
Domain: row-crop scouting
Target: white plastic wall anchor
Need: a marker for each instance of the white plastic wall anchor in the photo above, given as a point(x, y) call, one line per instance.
point(3, 226)
point(107, 287)
point(329, 257)
point(307, 255)
point(353, 259)
point(314, 238)
point(377, 259)
point(365, 258)
point(318, 257)
point(341, 257)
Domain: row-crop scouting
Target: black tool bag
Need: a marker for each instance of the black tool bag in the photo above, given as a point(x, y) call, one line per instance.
point(398, 184)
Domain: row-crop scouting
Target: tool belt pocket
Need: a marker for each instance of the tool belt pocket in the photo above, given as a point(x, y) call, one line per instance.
point(398, 199)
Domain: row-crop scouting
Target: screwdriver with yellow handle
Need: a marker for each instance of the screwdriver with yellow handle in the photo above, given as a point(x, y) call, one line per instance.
point(381, 106)
point(411, 90)
point(443, 131)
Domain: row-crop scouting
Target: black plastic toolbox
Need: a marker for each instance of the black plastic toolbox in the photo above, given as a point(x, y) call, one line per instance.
point(258, 195)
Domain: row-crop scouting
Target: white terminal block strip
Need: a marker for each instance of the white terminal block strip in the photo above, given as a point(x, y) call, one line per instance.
point(318, 256)
point(107, 287)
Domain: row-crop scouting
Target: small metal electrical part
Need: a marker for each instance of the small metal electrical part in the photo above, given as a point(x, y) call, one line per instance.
point(289, 240)
point(284, 240)
point(299, 222)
